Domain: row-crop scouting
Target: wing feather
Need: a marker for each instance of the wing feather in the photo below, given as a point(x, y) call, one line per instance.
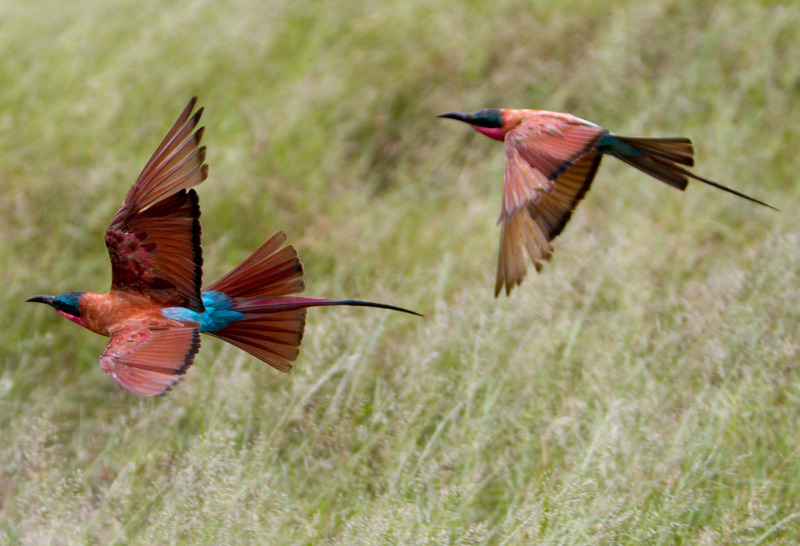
point(154, 238)
point(538, 152)
point(532, 228)
point(149, 360)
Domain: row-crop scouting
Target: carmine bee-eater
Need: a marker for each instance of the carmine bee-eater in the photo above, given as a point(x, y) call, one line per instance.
point(155, 310)
point(551, 160)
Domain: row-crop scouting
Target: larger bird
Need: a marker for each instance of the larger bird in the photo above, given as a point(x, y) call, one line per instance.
point(551, 160)
point(155, 310)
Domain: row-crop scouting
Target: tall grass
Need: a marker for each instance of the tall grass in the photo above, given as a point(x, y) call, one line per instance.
point(642, 389)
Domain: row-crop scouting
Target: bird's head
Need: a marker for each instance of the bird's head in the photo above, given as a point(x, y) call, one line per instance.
point(67, 305)
point(489, 121)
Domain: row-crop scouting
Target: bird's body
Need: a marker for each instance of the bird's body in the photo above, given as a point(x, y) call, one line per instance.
point(155, 310)
point(551, 160)
point(105, 313)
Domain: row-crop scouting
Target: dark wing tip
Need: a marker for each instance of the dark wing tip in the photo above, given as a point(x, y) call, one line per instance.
point(201, 156)
point(196, 117)
point(189, 107)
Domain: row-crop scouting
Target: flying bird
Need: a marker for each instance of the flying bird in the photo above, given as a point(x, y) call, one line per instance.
point(551, 160)
point(155, 310)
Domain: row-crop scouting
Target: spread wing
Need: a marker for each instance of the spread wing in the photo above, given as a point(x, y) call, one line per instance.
point(149, 361)
point(549, 168)
point(154, 239)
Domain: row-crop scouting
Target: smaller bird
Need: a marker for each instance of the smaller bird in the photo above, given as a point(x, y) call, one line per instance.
point(551, 160)
point(155, 310)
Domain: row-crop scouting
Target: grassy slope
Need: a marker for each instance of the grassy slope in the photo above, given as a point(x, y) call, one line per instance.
point(643, 388)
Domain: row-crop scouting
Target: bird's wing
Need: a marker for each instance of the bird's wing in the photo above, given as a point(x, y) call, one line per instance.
point(154, 239)
point(538, 152)
point(149, 360)
point(549, 168)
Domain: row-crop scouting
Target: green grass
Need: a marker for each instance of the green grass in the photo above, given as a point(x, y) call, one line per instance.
point(644, 388)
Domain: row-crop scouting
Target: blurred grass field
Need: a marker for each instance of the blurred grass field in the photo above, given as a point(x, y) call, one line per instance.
point(644, 388)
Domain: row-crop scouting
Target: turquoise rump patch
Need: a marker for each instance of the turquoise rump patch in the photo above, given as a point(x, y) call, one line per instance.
point(218, 313)
point(610, 144)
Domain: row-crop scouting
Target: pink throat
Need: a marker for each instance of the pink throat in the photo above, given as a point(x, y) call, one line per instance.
point(77, 320)
point(495, 133)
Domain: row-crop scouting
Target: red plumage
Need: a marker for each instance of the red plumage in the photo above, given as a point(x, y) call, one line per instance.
point(156, 261)
point(154, 238)
point(551, 161)
point(266, 276)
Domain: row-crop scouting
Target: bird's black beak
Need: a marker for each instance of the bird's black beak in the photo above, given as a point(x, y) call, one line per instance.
point(460, 116)
point(41, 299)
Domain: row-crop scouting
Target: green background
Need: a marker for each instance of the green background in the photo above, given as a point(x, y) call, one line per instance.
point(642, 389)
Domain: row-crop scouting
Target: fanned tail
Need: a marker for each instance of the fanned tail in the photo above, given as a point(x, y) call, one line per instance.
point(262, 289)
point(662, 158)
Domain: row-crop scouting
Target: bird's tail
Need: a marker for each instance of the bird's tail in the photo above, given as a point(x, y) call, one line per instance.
point(262, 289)
point(662, 158)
